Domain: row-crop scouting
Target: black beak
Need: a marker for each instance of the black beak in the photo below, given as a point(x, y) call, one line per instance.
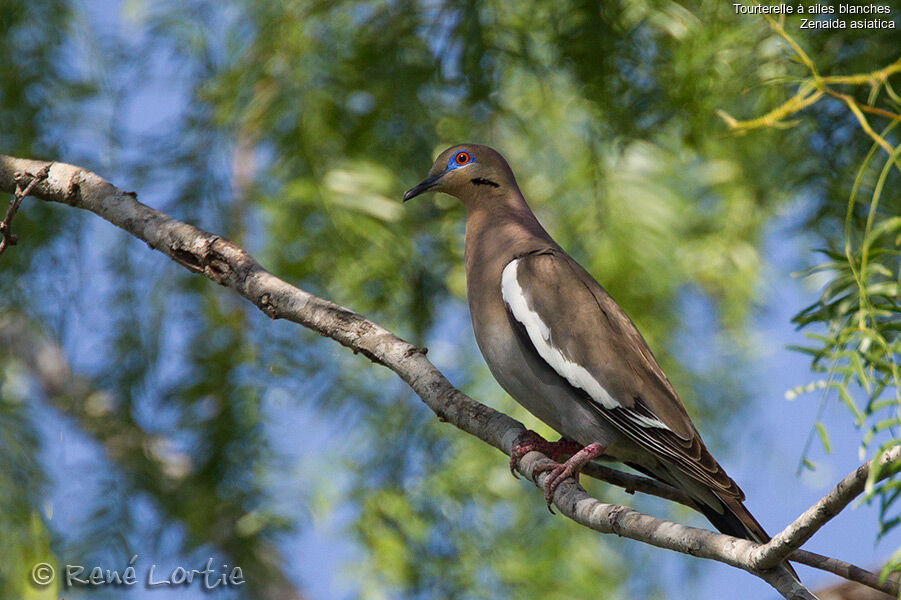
point(422, 187)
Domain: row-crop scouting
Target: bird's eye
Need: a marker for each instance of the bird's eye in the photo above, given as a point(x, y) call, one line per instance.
point(462, 158)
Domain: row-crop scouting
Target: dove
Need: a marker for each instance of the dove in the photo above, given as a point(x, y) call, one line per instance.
point(558, 343)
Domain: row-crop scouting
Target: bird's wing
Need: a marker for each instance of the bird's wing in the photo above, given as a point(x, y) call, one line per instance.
point(578, 329)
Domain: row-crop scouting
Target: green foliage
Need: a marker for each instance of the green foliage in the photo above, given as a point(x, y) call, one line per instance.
point(27, 539)
point(30, 41)
point(301, 124)
point(860, 311)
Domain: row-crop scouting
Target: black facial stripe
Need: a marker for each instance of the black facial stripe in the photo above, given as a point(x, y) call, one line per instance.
point(482, 181)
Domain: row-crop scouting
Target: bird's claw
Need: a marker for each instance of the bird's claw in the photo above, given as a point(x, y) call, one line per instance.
point(571, 468)
point(557, 474)
point(534, 441)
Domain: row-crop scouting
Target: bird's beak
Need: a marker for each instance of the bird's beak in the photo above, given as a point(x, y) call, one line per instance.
point(422, 187)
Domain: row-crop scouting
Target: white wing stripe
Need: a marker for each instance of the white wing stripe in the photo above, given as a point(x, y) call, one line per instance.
point(540, 336)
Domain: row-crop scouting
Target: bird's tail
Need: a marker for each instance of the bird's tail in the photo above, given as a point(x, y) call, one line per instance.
point(737, 521)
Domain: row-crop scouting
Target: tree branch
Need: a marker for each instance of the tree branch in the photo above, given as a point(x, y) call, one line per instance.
point(843, 569)
point(846, 571)
point(229, 265)
point(792, 537)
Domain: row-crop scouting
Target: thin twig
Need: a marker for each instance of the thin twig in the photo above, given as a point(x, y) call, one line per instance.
point(889, 585)
point(864, 124)
point(806, 95)
point(814, 87)
point(880, 77)
point(8, 237)
point(873, 110)
point(794, 45)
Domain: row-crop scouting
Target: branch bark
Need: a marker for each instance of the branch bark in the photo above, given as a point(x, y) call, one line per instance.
point(230, 266)
point(802, 529)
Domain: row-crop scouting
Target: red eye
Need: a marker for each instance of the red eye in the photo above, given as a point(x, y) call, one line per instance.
point(462, 158)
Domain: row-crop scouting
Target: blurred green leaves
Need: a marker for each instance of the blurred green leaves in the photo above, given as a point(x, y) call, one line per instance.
point(294, 127)
point(859, 309)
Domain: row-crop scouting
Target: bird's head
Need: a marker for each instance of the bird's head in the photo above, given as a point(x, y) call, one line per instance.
point(466, 171)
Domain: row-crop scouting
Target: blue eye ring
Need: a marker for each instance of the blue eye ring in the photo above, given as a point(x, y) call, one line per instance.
point(460, 159)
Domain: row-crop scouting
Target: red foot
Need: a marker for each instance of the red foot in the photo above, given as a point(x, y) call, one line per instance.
point(535, 442)
point(571, 468)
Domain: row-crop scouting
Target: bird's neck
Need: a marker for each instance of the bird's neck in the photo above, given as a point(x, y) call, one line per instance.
point(499, 229)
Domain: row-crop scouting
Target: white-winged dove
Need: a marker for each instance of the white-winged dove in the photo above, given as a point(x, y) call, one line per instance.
point(558, 343)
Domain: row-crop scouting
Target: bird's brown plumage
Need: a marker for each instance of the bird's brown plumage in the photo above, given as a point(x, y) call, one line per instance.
point(607, 344)
point(562, 347)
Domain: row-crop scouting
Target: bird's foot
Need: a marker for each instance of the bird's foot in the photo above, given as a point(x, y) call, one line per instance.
point(571, 468)
point(535, 442)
